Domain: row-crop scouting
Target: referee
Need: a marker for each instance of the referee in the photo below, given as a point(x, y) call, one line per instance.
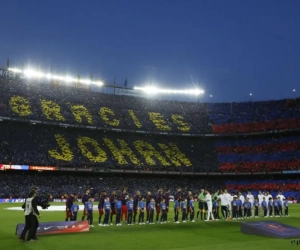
point(201, 203)
point(31, 213)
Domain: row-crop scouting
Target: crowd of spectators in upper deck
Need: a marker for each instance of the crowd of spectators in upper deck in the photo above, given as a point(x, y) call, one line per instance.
point(197, 117)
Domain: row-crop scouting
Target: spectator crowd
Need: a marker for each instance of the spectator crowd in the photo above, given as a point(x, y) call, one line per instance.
point(75, 106)
point(91, 146)
point(17, 185)
point(25, 144)
point(41, 145)
point(259, 154)
point(45, 102)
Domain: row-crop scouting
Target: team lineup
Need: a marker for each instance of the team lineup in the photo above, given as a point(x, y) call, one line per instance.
point(134, 209)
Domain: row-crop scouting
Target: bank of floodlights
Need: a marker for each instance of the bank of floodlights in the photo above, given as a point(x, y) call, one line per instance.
point(31, 73)
point(151, 90)
point(155, 90)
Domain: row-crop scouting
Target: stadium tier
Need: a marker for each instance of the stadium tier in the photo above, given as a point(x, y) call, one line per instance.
point(254, 116)
point(259, 154)
point(54, 146)
point(41, 145)
point(75, 106)
point(58, 184)
point(64, 105)
point(50, 125)
point(291, 188)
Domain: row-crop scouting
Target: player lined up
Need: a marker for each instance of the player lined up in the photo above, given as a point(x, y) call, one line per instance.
point(128, 207)
point(240, 208)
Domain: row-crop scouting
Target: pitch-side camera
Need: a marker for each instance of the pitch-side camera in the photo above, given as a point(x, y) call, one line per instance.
point(43, 200)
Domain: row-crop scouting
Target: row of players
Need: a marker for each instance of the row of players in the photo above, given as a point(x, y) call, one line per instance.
point(264, 202)
point(232, 206)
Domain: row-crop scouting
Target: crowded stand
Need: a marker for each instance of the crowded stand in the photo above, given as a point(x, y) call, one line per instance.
point(52, 103)
point(45, 102)
point(75, 147)
point(259, 154)
point(81, 147)
point(106, 148)
point(58, 184)
point(98, 132)
point(290, 188)
point(247, 117)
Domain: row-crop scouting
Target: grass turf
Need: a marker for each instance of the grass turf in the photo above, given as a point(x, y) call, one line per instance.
point(223, 235)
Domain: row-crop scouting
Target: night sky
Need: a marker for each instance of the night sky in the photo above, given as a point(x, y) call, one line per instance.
point(230, 48)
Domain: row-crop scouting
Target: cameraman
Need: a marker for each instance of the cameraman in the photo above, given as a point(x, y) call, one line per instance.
point(31, 213)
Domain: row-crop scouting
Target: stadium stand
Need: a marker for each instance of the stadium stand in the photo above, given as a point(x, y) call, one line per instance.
point(73, 129)
point(259, 154)
point(254, 116)
point(58, 184)
point(45, 102)
point(95, 142)
point(73, 147)
point(290, 188)
point(60, 104)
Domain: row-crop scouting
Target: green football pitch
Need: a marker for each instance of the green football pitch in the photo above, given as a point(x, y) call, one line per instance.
point(217, 235)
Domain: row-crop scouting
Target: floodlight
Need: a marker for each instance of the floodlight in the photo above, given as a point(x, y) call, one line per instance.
point(151, 90)
point(99, 83)
point(87, 81)
point(49, 76)
point(154, 90)
point(69, 79)
point(197, 91)
point(29, 73)
point(15, 70)
point(33, 73)
point(56, 77)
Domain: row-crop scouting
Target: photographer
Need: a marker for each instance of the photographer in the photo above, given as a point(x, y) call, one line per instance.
point(31, 213)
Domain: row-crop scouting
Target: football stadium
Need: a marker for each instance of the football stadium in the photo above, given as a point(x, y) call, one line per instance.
point(178, 173)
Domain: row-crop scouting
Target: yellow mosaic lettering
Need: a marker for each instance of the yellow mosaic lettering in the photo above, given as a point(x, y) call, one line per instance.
point(158, 121)
point(106, 111)
point(175, 155)
point(183, 126)
point(149, 152)
point(66, 153)
point(135, 119)
point(20, 105)
point(79, 111)
point(51, 110)
point(100, 155)
point(122, 151)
